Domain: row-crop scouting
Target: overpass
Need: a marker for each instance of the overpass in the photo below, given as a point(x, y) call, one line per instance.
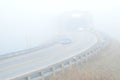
point(38, 63)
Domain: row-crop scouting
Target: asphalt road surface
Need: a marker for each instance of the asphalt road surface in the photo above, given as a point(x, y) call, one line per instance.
point(72, 44)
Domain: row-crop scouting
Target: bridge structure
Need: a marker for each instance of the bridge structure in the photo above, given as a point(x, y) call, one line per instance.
point(38, 63)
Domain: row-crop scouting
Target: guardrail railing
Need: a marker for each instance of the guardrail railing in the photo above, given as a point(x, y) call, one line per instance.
point(44, 74)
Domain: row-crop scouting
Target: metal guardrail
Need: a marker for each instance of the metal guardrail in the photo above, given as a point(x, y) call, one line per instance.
point(27, 51)
point(53, 69)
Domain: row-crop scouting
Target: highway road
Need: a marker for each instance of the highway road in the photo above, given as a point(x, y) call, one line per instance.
point(72, 44)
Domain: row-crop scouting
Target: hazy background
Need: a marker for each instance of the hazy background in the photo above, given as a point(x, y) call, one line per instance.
point(21, 24)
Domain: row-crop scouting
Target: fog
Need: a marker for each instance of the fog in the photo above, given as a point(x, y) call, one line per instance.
point(23, 24)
